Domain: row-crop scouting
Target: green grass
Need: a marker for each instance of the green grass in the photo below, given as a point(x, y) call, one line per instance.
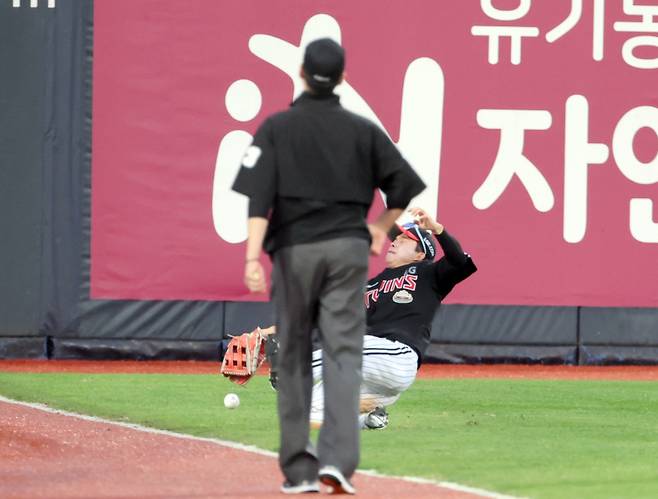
point(544, 439)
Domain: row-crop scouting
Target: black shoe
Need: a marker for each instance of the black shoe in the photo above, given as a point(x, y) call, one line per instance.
point(304, 487)
point(271, 353)
point(336, 481)
point(274, 380)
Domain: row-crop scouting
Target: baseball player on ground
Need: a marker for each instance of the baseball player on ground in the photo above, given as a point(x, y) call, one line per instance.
point(400, 302)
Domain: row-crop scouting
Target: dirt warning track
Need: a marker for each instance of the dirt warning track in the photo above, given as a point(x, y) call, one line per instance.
point(427, 371)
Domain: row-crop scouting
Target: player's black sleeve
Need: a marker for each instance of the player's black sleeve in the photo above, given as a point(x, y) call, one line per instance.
point(454, 267)
point(452, 249)
point(393, 174)
point(256, 178)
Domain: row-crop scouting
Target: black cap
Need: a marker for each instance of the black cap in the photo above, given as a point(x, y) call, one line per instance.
point(324, 62)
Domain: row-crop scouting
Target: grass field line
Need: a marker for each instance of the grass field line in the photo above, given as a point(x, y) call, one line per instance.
point(247, 448)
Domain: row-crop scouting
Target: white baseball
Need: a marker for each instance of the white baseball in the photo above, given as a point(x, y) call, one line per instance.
point(231, 401)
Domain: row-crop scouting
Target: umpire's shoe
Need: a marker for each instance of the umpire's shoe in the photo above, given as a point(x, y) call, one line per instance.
point(336, 481)
point(304, 487)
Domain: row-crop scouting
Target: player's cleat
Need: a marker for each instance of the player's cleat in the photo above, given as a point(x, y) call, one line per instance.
point(271, 352)
point(377, 419)
point(304, 487)
point(274, 379)
point(336, 481)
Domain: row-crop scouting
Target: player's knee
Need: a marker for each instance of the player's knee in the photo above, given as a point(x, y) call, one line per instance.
point(367, 405)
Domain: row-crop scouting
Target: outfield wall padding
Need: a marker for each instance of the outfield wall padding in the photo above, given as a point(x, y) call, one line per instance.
point(464, 353)
point(23, 347)
point(246, 316)
point(25, 71)
point(175, 320)
point(523, 325)
point(46, 199)
point(618, 355)
point(619, 326)
point(132, 349)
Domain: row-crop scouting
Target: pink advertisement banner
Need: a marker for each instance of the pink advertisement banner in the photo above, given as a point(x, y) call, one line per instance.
point(533, 123)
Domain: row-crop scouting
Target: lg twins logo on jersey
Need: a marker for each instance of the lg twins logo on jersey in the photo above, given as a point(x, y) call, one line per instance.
point(401, 285)
point(421, 121)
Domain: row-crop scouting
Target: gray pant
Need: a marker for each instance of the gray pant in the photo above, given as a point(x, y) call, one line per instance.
point(320, 284)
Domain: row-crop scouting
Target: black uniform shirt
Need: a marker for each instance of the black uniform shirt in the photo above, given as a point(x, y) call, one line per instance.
point(313, 170)
point(401, 302)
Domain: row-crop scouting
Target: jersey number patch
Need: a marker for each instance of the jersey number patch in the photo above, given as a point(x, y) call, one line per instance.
point(251, 156)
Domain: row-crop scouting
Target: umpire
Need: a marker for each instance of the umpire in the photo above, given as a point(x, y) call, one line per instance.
point(310, 175)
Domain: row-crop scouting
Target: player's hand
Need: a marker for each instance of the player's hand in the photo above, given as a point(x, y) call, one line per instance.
point(254, 277)
point(378, 238)
point(425, 221)
point(266, 331)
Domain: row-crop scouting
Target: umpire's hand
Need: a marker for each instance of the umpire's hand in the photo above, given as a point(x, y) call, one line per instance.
point(378, 237)
point(254, 277)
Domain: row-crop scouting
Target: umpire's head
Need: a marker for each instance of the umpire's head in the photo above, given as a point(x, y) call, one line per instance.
point(324, 62)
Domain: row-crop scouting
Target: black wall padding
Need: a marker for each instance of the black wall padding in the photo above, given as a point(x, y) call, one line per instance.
point(506, 325)
point(611, 336)
point(618, 355)
point(66, 147)
point(457, 353)
point(183, 320)
point(240, 317)
point(132, 349)
point(23, 347)
point(619, 326)
point(24, 78)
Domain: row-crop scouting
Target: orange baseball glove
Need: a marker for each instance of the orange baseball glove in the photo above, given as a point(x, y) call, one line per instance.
point(244, 354)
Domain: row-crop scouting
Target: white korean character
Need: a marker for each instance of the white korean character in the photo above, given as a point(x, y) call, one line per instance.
point(572, 19)
point(646, 25)
point(510, 160)
point(578, 155)
point(515, 33)
point(34, 3)
point(641, 223)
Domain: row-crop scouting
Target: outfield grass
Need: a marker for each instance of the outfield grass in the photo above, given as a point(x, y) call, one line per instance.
point(544, 439)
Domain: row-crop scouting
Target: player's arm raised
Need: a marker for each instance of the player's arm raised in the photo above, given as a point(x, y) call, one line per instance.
point(425, 221)
point(450, 246)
